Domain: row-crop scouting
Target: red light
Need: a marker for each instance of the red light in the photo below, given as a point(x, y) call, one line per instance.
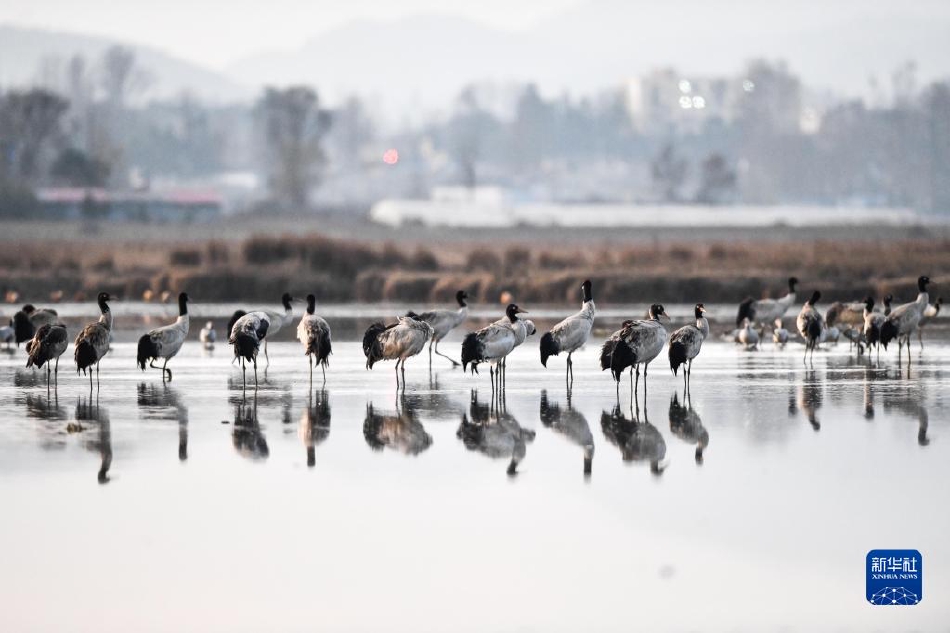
point(391, 156)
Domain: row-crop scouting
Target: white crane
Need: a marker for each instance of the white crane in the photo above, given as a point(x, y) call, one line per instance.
point(904, 319)
point(246, 337)
point(638, 343)
point(398, 341)
point(686, 342)
point(810, 324)
point(49, 343)
point(571, 333)
point(443, 322)
point(29, 319)
point(492, 344)
point(92, 343)
point(314, 333)
point(767, 310)
point(166, 341)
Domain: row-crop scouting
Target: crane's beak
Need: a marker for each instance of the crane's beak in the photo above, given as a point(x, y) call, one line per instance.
point(520, 311)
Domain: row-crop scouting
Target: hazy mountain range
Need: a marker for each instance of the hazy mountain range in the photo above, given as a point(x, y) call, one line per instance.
point(422, 61)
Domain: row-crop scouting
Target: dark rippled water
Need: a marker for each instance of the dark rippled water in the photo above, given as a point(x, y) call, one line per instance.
point(748, 504)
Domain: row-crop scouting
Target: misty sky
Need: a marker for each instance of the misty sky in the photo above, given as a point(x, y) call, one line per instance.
point(216, 32)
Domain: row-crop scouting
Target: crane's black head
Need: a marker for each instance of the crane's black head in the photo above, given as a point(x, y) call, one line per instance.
point(586, 286)
point(102, 298)
point(815, 296)
point(461, 296)
point(922, 283)
point(699, 310)
point(657, 310)
point(311, 304)
point(869, 303)
point(512, 312)
point(285, 299)
point(29, 309)
point(183, 303)
point(792, 282)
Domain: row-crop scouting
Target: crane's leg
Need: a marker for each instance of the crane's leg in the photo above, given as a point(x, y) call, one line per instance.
point(491, 373)
point(266, 357)
point(166, 369)
point(402, 370)
point(397, 373)
point(448, 358)
point(48, 370)
point(430, 353)
point(324, 368)
point(255, 373)
point(97, 374)
point(244, 373)
point(920, 338)
point(57, 370)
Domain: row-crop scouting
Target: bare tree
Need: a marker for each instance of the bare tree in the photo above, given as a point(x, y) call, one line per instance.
point(718, 180)
point(121, 77)
point(293, 127)
point(29, 123)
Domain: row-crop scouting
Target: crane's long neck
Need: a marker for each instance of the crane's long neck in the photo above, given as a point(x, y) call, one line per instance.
point(588, 309)
point(106, 317)
point(923, 300)
point(182, 319)
point(702, 324)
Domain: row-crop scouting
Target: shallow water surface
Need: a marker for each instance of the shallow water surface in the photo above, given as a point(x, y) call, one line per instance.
point(748, 504)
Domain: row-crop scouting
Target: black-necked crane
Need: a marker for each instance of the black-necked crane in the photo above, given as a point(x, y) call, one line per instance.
point(246, 337)
point(92, 342)
point(29, 319)
point(523, 328)
point(314, 333)
point(810, 324)
point(686, 342)
point(443, 322)
point(929, 314)
point(636, 344)
point(166, 341)
point(48, 344)
point(208, 336)
point(237, 314)
point(765, 311)
point(904, 319)
point(398, 341)
point(492, 344)
point(571, 333)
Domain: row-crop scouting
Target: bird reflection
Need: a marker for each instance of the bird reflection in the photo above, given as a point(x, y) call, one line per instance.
point(314, 425)
point(571, 424)
point(247, 437)
point(686, 424)
point(810, 398)
point(400, 431)
point(45, 407)
point(89, 412)
point(637, 440)
point(494, 432)
point(163, 402)
point(910, 403)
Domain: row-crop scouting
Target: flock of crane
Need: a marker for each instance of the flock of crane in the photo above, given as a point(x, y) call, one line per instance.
point(637, 343)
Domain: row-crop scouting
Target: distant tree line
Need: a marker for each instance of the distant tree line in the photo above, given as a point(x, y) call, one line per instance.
point(88, 123)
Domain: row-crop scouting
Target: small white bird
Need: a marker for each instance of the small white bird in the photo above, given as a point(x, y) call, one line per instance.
point(92, 343)
point(686, 343)
point(810, 324)
point(207, 335)
point(748, 336)
point(571, 333)
point(166, 341)
point(398, 341)
point(443, 322)
point(314, 332)
point(779, 334)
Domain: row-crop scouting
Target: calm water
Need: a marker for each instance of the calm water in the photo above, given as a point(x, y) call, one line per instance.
point(192, 506)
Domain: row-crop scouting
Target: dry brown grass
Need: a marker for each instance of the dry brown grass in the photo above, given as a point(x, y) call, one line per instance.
point(344, 270)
